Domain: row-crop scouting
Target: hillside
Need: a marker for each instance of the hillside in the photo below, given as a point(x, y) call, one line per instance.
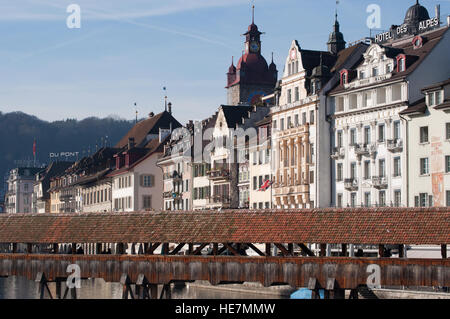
point(19, 130)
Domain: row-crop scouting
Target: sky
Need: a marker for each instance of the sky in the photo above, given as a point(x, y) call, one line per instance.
point(126, 51)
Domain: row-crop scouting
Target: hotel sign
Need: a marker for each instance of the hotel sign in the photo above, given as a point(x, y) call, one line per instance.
point(398, 32)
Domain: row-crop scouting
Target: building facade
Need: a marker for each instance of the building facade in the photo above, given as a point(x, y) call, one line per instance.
point(19, 196)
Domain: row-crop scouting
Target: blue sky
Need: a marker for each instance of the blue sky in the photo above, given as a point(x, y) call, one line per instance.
point(127, 51)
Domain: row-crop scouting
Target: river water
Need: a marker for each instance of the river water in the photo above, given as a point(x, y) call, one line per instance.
point(22, 288)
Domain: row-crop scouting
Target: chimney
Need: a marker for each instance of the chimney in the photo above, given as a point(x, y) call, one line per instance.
point(170, 107)
point(131, 143)
point(437, 10)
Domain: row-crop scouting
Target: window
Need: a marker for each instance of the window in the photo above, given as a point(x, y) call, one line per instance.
point(382, 198)
point(311, 117)
point(401, 65)
point(289, 123)
point(389, 68)
point(146, 202)
point(147, 180)
point(353, 136)
point(274, 124)
point(434, 98)
point(397, 167)
point(367, 199)
point(289, 96)
point(382, 168)
point(255, 158)
point(304, 118)
point(339, 172)
point(365, 99)
point(397, 198)
point(367, 170)
point(297, 94)
point(381, 133)
point(255, 182)
point(397, 130)
point(339, 201)
point(340, 104)
point(353, 170)
point(367, 135)
point(344, 77)
point(353, 200)
point(353, 101)
point(447, 131)
point(447, 164)
point(339, 139)
point(424, 168)
point(396, 92)
point(448, 198)
point(424, 134)
point(362, 75)
point(375, 71)
point(296, 122)
point(381, 95)
point(423, 198)
point(282, 124)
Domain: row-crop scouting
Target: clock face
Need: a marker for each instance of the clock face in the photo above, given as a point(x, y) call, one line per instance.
point(293, 54)
point(254, 47)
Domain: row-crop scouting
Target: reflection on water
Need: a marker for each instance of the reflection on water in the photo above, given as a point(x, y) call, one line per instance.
point(22, 288)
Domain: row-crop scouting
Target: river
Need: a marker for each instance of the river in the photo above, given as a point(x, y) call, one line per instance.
point(21, 288)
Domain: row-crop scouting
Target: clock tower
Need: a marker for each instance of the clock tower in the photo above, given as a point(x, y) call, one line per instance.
point(252, 78)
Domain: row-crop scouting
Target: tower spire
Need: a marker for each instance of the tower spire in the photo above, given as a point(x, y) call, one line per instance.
point(253, 14)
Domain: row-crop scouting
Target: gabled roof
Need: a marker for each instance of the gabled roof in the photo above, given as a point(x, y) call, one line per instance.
point(414, 56)
point(148, 126)
point(234, 114)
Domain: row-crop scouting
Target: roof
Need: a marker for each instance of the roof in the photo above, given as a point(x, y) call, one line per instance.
point(234, 114)
point(418, 107)
point(419, 226)
point(444, 105)
point(414, 56)
point(148, 126)
point(436, 86)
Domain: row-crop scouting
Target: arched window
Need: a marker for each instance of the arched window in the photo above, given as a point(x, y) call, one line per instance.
point(401, 63)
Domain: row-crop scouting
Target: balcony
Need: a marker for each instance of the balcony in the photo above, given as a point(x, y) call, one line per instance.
point(175, 176)
point(395, 145)
point(351, 184)
point(172, 195)
point(361, 149)
point(338, 152)
point(66, 198)
point(220, 199)
point(379, 182)
point(219, 174)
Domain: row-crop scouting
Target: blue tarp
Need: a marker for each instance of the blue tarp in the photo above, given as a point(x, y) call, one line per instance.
point(305, 293)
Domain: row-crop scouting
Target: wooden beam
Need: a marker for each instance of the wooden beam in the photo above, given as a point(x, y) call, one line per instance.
point(177, 249)
point(199, 249)
point(222, 250)
point(259, 252)
point(401, 251)
point(215, 249)
point(283, 249)
point(306, 250)
point(152, 248)
point(230, 248)
point(323, 250)
point(381, 251)
point(268, 249)
point(344, 250)
point(444, 251)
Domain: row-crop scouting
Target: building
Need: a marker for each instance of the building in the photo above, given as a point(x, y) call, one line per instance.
point(428, 129)
point(260, 168)
point(252, 78)
point(41, 196)
point(137, 181)
point(370, 153)
point(299, 127)
point(19, 196)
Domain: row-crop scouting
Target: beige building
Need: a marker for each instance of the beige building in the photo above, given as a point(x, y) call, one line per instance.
point(429, 145)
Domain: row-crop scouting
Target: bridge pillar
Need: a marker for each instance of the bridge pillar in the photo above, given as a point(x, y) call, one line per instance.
point(166, 292)
point(126, 282)
point(142, 287)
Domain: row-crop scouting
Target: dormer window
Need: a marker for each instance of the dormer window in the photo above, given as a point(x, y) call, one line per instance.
point(401, 63)
point(389, 68)
point(362, 75)
point(375, 71)
point(435, 98)
point(344, 77)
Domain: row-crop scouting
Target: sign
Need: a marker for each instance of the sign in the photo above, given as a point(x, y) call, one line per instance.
point(63, 154)
point(400, 31)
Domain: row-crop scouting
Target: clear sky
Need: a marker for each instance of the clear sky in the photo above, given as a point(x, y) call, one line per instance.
point(127, 51)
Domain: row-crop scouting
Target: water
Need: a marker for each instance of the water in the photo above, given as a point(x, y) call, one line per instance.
point(22, 288)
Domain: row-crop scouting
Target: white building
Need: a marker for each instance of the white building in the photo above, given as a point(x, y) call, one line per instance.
point(370, 151)
point(19, 195)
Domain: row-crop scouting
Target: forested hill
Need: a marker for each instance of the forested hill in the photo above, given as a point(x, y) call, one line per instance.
point(19, 130)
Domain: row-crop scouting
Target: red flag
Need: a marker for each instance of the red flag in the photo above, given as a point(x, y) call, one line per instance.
point(265, 186)
point(34, 148)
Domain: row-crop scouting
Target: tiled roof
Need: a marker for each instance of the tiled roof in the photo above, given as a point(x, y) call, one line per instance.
point(149, 126)
point(421, 226)
point(416, 108)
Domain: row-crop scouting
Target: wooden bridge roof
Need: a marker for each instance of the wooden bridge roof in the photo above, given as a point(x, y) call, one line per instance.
point(418, 226)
